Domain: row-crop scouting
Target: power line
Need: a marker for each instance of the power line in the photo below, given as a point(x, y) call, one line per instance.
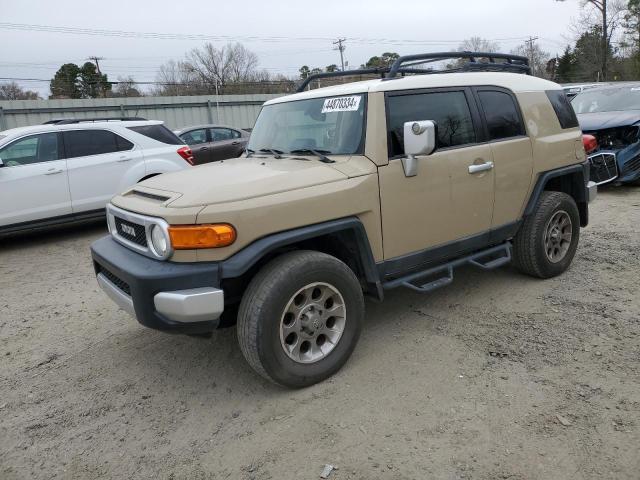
point(188, 36)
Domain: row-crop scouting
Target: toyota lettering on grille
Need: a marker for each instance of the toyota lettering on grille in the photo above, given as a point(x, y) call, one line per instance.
point(128, 230)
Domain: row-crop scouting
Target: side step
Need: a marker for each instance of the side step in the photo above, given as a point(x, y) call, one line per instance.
point(488, 259)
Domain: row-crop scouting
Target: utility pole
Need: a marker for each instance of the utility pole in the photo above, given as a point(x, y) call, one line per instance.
point(532, 63)
point(341, 48)
point(96, 60)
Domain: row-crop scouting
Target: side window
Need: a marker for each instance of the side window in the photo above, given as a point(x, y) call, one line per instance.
point(220, 134)
point(123, 144)
point(32, 149)
point(194, 137)
point(564, 110)
point(235, 134)
point(82, 143)
point(501, 113)
point(449, 110)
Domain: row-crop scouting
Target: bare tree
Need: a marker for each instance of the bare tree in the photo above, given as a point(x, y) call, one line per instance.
point(232, 63)
point(478, 44)
point(13, 91)
point(126, 87)
point(538, 58)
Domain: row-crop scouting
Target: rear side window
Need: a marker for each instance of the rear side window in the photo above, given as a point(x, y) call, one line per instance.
point(82, 143)
point(123, 144)
point(220, 134)
point(449, 110)
point(562, 106)
point(501, 114)
point(159, 133)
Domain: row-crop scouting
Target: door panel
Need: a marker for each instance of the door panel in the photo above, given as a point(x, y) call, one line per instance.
point(445, 202)
point(223, 145)
point(98, 176)
point(513, 171)
point(415, 210)
point(34, 192)
point(200, 144)
point(472, 194)
point(441, 204)
point(33, 182)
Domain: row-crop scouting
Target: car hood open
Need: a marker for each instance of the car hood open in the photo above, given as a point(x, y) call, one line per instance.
point(602, 120)
point(240, 179)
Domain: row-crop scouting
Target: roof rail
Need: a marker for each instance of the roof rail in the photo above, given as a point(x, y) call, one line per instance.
point(67, 121)
point(362, 71)
point(514, 63)
point(407, 63)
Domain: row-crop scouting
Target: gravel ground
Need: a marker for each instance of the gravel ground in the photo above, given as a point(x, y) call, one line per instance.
point(497, 376)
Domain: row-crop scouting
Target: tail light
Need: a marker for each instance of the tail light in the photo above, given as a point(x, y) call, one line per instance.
point(186, 153)
point(590, 143)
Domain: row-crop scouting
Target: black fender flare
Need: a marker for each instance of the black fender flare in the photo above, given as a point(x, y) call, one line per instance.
point(242, 261)
point(579, 171)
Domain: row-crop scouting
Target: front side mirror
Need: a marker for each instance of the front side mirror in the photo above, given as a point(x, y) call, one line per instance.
point(419, 139)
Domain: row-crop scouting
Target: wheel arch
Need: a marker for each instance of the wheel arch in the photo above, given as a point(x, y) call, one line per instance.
point(345, 239)
point(570, 180)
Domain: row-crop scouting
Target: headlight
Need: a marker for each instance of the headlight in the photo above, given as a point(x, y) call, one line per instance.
point(159, 241)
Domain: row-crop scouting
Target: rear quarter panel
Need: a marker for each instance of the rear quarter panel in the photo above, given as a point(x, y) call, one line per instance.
point(553, 147)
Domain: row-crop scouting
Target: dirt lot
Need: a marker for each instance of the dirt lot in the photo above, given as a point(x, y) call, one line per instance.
point(498, 376)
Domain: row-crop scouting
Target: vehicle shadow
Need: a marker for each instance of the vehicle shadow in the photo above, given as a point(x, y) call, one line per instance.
point(216, 363)
point(54, 235)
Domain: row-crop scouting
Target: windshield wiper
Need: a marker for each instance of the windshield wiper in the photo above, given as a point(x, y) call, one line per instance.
point(318, 153)
point(276, 153)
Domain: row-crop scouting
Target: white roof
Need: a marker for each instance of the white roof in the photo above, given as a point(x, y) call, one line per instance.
point(18, 131)
point(515, 82)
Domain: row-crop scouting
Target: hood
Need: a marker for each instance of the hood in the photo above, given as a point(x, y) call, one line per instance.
point(241, 179)
point(602, 120)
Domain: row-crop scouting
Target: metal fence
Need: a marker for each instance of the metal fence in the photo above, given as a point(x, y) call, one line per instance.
point(236, 110)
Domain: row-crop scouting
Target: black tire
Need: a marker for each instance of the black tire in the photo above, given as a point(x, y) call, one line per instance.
point(263, 305)
point(529, 253)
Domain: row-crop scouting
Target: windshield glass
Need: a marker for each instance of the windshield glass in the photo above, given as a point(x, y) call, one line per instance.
point(607, 100)
point(334, 125)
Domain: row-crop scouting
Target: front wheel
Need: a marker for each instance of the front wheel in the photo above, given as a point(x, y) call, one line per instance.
point(300, 318)
point(547, 240)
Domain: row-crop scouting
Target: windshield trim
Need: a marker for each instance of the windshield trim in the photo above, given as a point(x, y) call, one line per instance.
point(365, 115)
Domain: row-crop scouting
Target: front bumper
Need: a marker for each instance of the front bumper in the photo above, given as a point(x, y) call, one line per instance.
point(174, 297)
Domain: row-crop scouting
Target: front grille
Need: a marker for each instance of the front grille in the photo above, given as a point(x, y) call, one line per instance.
point(632, 166)
point(603, 167)
point(131, 231)
point(121, 284)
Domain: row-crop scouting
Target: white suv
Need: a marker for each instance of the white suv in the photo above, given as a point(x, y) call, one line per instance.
point(67, 170)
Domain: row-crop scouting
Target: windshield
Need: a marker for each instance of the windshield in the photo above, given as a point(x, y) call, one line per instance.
point(333, 125)
point(607, 100)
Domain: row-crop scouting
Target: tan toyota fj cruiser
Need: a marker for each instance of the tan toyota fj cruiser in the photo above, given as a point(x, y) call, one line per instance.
point(350, 190)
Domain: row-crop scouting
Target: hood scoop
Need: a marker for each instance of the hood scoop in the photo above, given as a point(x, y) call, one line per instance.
point(150, 196)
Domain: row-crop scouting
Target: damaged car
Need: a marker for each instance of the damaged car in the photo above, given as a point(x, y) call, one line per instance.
point(612, 115)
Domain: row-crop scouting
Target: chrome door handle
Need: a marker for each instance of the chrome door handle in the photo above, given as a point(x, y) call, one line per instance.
point(53, 171)
point(480, 168)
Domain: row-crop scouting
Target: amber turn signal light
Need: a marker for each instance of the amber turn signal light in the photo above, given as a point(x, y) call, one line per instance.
point(187, 237)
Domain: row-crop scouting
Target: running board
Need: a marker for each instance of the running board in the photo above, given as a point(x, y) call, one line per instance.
point(484, 259)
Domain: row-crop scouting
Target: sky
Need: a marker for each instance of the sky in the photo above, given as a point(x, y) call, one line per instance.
point(284, 34)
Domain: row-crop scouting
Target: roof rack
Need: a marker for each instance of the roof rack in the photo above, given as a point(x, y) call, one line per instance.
point(406, 65)
point(67, 121)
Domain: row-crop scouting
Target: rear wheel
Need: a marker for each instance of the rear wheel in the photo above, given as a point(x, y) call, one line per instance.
point(300, 318)
point(547, 241)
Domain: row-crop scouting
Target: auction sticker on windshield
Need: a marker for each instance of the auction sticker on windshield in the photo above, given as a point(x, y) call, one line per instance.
point(341, 104)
